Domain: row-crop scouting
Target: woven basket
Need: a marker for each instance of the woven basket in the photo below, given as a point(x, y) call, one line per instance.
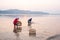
point(19, 23)
point(32, 32)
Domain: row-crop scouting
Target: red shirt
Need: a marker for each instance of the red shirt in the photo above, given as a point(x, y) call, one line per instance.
point(15, 21)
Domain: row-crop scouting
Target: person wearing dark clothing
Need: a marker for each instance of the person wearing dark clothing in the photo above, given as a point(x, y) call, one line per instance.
point(29, 21)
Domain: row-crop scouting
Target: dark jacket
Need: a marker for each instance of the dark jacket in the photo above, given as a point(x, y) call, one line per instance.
point(29, 21)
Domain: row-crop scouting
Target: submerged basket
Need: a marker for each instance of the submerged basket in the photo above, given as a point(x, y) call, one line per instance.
point(32, 32)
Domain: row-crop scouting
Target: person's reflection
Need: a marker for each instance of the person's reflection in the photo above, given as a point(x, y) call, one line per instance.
point(17, 36)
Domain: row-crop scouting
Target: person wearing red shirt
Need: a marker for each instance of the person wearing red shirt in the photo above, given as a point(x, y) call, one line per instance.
point(15, 22)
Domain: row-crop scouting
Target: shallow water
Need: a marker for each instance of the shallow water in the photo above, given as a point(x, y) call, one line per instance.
point(46, 26)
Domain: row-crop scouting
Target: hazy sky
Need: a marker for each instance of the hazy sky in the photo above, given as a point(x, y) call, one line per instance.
point(52, 6)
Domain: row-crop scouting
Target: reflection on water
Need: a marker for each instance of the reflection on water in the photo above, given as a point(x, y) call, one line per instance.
point(17, 33)
point(45, 26)
point(17, 36)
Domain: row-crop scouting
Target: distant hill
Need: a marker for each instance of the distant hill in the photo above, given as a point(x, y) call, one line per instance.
point(16, 11)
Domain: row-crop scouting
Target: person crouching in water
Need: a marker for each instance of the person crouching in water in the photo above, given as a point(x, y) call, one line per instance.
point(29, 22)
point(16, 22)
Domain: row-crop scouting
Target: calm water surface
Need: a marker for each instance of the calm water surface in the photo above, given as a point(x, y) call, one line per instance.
point(46, 26)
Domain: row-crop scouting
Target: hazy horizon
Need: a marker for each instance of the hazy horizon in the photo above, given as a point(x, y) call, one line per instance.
point(51, 6)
